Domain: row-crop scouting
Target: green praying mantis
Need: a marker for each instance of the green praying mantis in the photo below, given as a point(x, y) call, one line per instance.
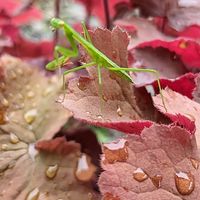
point(97, 57)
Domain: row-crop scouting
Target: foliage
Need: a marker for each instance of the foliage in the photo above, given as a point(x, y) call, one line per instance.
point(48, 148)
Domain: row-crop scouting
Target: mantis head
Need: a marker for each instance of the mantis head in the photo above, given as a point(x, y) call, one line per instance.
point(57, 23)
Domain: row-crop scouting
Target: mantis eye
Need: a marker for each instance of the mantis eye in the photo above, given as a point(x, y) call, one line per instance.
point(57, 23)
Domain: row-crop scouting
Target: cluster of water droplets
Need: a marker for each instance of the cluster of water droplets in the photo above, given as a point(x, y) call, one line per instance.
point(118, 152)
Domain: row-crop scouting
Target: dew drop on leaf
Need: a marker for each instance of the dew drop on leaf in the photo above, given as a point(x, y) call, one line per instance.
point(13, 138)
point(85, 169)
point(156, 180)
point(3, 118)
point(140, 175)
point(30, 116)
point(2, 85)
point(114, 54)
point(30, 94)
point(99, 117)
point(33, 195)
point(4, 147)
point(183, 44)
point(20, 71)
point(116, 151)
point(195, 163)
point(105, 98)
point(5, 102)
point(47, 91)
point(52, 171)
point(28, 87)
point(13, 75)
point(109, 196)
point(119, 111)
point(83, 83)
point(185, 183)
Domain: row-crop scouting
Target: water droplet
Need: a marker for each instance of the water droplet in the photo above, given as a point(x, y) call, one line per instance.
point(114, 54)
point(99, 117)
point(184, 183)
point(13, 138)
point(33, 195)
point(32, 151)
point(116, 151)
point(52, 171)
point(20, 71)
point(183, 44)
point(90, 196)
point(4, 147)
point(109, 196)
point(30, 94)
point(47, 91)
point(28, 87)
point(2, 85)
point(85, 169)
point(53, 79)
point(30, 116)
point(156, 180)
point(13, 75)
point(3, 117)
point(5, 102)
point(140, 175)
point(119, 111)
point(20, 96)
point(105, 98)
point(195, 163)
point(83, 83)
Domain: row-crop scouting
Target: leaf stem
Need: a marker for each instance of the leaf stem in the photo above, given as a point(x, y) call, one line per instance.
point(107, 13)
point(57, 13)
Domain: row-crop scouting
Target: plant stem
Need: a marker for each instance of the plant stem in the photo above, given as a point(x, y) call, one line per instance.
point(107, 14)
point(57, 13)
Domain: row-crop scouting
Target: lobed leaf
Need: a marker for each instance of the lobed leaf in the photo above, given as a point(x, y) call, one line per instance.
point(30, 167)
point(160, 163)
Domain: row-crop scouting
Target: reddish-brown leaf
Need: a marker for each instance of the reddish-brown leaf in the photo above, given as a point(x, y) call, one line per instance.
point(56, 170)
point(121, 103)
point(180, 13)
point(147, 166)
point(180, 109)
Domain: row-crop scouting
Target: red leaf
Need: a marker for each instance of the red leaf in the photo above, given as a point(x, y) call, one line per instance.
point(121, 103)
point(58, 145)
point(184, 85)
point(11, 6)
point(149, 166)
point(180, 13)
point(96, 7)
point(180, 109)
point(187, 50)
point(192, 31)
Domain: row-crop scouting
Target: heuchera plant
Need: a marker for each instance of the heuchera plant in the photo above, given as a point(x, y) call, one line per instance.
point(43, 155)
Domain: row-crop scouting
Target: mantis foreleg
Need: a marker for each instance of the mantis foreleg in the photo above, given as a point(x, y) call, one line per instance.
point(144, 70)
point(64, 52)
point(74, 70)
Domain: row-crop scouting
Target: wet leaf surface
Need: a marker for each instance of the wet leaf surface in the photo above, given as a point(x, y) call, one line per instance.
point(187, 117)
point(157, 165)
point(28, 99)
point(121, 103)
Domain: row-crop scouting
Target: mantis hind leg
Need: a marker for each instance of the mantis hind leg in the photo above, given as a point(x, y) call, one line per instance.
point(144, 70)
point(74, 70)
